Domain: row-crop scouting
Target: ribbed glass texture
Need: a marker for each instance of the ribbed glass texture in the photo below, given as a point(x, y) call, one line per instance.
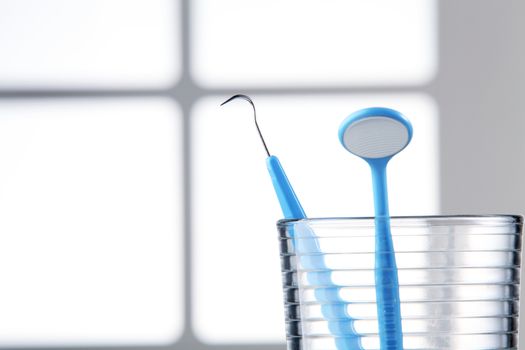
point(458, 276)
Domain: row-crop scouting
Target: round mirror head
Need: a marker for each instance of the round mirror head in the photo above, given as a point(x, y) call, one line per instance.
point(375, 133)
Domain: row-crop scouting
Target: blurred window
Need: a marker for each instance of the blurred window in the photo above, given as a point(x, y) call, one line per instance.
point(109, 108)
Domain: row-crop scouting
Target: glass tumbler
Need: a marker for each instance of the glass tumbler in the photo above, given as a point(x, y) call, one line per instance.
point(458, 282)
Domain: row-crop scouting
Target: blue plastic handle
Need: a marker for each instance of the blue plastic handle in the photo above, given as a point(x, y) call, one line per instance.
point(340, 324)
point(386, 279)
point(290, 205)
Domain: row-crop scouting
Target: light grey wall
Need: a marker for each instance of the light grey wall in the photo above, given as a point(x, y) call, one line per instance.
point(480, 90)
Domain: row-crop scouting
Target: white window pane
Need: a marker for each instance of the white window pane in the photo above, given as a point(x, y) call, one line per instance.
point(90, 222)
point(89, 43)
point(343, 42)
point(237, 281)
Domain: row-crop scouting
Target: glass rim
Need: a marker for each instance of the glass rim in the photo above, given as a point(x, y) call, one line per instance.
point(504, 219)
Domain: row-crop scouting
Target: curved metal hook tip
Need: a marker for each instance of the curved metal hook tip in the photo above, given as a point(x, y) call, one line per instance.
point(254, 116)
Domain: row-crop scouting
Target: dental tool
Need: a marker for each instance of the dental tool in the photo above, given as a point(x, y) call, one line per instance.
point(309, 252)
point(376, 135)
